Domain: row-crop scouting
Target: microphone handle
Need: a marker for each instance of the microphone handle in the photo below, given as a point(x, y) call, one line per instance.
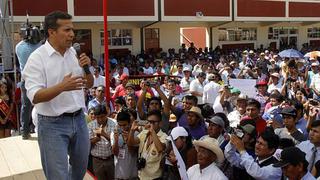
point(86, 69)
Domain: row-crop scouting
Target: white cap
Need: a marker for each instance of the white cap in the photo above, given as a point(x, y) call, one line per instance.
point(186, 68)
point(177, 132)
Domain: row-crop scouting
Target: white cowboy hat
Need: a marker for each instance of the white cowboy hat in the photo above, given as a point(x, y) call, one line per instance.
point(212, 145)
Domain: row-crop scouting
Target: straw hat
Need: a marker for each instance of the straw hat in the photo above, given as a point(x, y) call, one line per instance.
point(196, 110)
point(212, 145)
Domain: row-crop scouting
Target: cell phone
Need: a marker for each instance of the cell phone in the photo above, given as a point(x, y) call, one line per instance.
point(142, 122)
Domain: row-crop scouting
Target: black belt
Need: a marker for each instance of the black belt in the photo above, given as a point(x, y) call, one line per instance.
point(76, 113)
point(103, 159)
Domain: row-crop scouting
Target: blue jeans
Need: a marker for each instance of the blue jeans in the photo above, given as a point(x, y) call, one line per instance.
point(59, 137)
point(26, 106)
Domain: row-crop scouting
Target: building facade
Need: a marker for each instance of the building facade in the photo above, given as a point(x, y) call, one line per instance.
point(152, 24)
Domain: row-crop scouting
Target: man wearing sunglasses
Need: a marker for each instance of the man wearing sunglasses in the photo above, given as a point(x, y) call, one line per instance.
point(151, 143)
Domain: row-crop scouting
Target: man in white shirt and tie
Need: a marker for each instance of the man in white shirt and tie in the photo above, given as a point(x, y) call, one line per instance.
point(54, 80)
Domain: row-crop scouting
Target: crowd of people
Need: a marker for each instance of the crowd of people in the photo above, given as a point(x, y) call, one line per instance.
point(183, 120)
point(185, 102)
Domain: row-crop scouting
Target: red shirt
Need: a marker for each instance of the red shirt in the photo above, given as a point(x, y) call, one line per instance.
point(259, 123)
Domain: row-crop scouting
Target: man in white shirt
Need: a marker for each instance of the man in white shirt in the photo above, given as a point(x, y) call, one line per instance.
point(98, 79)
point(208, 154)
point(54, 80)
point(196, 87)
point(315, 86)
point(186, 80)
point(147, 69)
point(210, 90)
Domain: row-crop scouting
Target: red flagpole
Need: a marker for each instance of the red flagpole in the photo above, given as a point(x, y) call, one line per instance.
point(106, 50)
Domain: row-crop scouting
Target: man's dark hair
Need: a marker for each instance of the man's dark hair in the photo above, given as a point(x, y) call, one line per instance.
point(155, 113)
point(155, 99)
point(271, 138)
point(191, 98)
point(100, 109)
point(276, 96)
point(292, 64)
point(120, 100)
point(50, 21)
point(123, 116)
point(315, 124)
point(253, 102)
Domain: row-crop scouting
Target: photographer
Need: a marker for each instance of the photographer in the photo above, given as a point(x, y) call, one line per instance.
point(260, 167)
point(151, 143)
point(30, 42)
point(125, 157)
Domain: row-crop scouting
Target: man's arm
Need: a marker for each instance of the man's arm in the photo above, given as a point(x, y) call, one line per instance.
point(132, 141)
point(141, 102)
point(166, 105)
point(68, 84)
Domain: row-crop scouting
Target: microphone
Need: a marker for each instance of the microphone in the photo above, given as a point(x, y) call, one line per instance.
point(77, 47)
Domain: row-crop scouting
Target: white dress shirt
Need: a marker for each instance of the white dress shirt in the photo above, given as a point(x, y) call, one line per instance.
point(100, 80)
point(307, 147)
point(46, 68)
point(196, 86)
point(210, 92)
point(212, 172)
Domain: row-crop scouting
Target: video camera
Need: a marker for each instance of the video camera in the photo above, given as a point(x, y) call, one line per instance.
point(31, 34)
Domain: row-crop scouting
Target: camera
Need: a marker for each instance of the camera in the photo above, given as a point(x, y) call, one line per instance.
point(313, 102)
point(237, 131)
point(141, 163)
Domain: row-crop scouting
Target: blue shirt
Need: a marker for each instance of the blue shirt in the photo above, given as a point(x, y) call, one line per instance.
point(308, 176)
point(23, 51)
point(301, 125)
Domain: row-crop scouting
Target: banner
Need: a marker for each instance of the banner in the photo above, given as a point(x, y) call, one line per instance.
point(136, 79)
point(246, 86)
point(180, 163)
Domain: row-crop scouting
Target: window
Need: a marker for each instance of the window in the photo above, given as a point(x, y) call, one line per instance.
point(237, 34)
point(275, 32)
point(117, 37)
point(314, 32)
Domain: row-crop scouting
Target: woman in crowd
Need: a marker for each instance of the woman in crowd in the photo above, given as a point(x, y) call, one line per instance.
point(6, 118)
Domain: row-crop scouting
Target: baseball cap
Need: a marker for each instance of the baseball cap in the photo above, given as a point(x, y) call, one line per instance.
point(242, 97)
point(217, 120)
point(291, 111)
point(248, 128)
point(177, 132)
point(290, 155)
point(186, 68)
point(261, 83)
point(124, 76)
point(277, 75)
point(235, 91)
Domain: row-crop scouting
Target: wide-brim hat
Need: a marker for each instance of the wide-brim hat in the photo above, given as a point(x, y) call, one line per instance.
point(212, 145)
point(277, 75)
point(196, 110)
